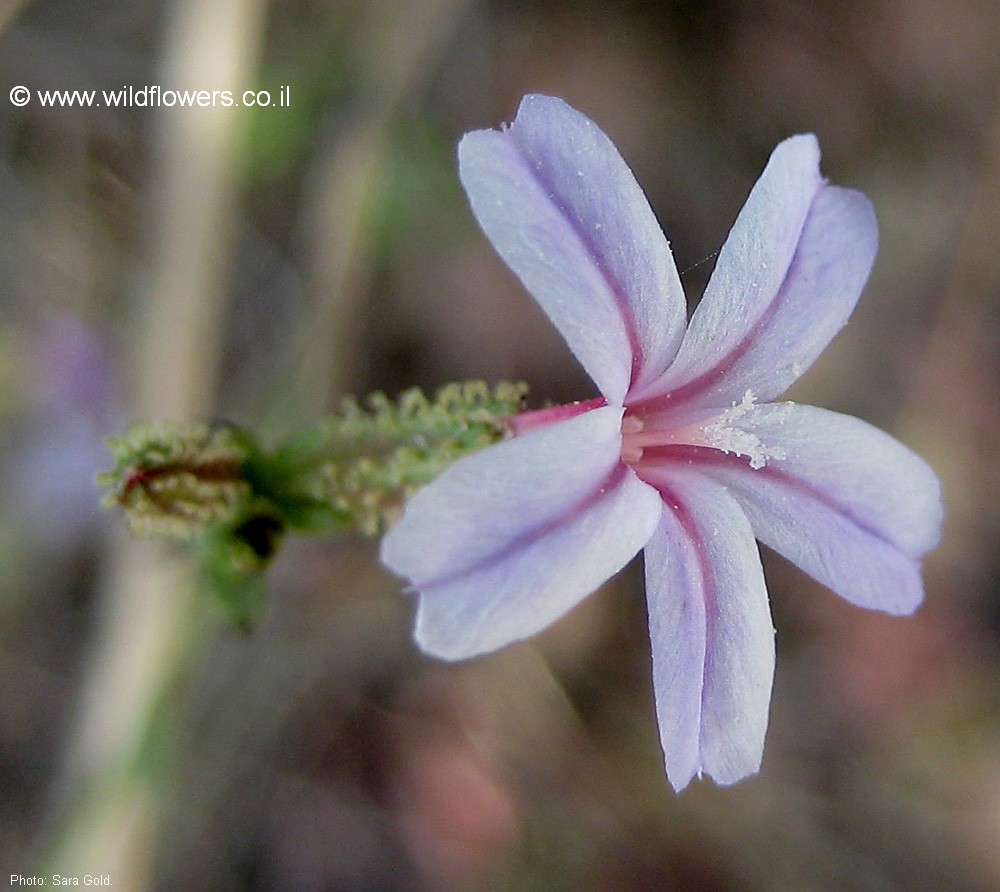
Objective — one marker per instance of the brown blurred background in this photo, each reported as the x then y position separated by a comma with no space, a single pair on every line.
252,264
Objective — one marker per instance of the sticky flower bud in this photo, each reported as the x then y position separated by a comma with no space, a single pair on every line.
177,481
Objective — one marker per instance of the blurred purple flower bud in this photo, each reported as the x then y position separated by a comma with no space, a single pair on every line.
73,407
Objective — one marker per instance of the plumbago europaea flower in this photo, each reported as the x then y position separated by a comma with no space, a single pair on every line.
683,456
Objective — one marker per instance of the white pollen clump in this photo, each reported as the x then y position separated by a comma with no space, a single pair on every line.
725,434
781,411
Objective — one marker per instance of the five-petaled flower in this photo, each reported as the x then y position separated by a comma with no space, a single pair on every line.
683,456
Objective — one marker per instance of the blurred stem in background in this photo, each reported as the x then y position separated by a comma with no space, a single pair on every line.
394,55
146,629
8,10
109,804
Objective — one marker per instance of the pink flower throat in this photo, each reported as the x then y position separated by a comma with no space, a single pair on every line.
728,430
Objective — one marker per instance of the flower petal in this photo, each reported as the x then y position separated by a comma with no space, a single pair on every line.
710,626
507,540
564,211
848,504
788,278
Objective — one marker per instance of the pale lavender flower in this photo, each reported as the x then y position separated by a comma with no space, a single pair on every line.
684,456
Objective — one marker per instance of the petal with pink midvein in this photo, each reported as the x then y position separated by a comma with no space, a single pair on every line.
507,540
788,278
711,632
564,211
847,503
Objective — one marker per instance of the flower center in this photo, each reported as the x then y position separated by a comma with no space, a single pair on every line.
730,431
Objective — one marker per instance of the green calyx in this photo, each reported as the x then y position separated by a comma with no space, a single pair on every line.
355,470
351,472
